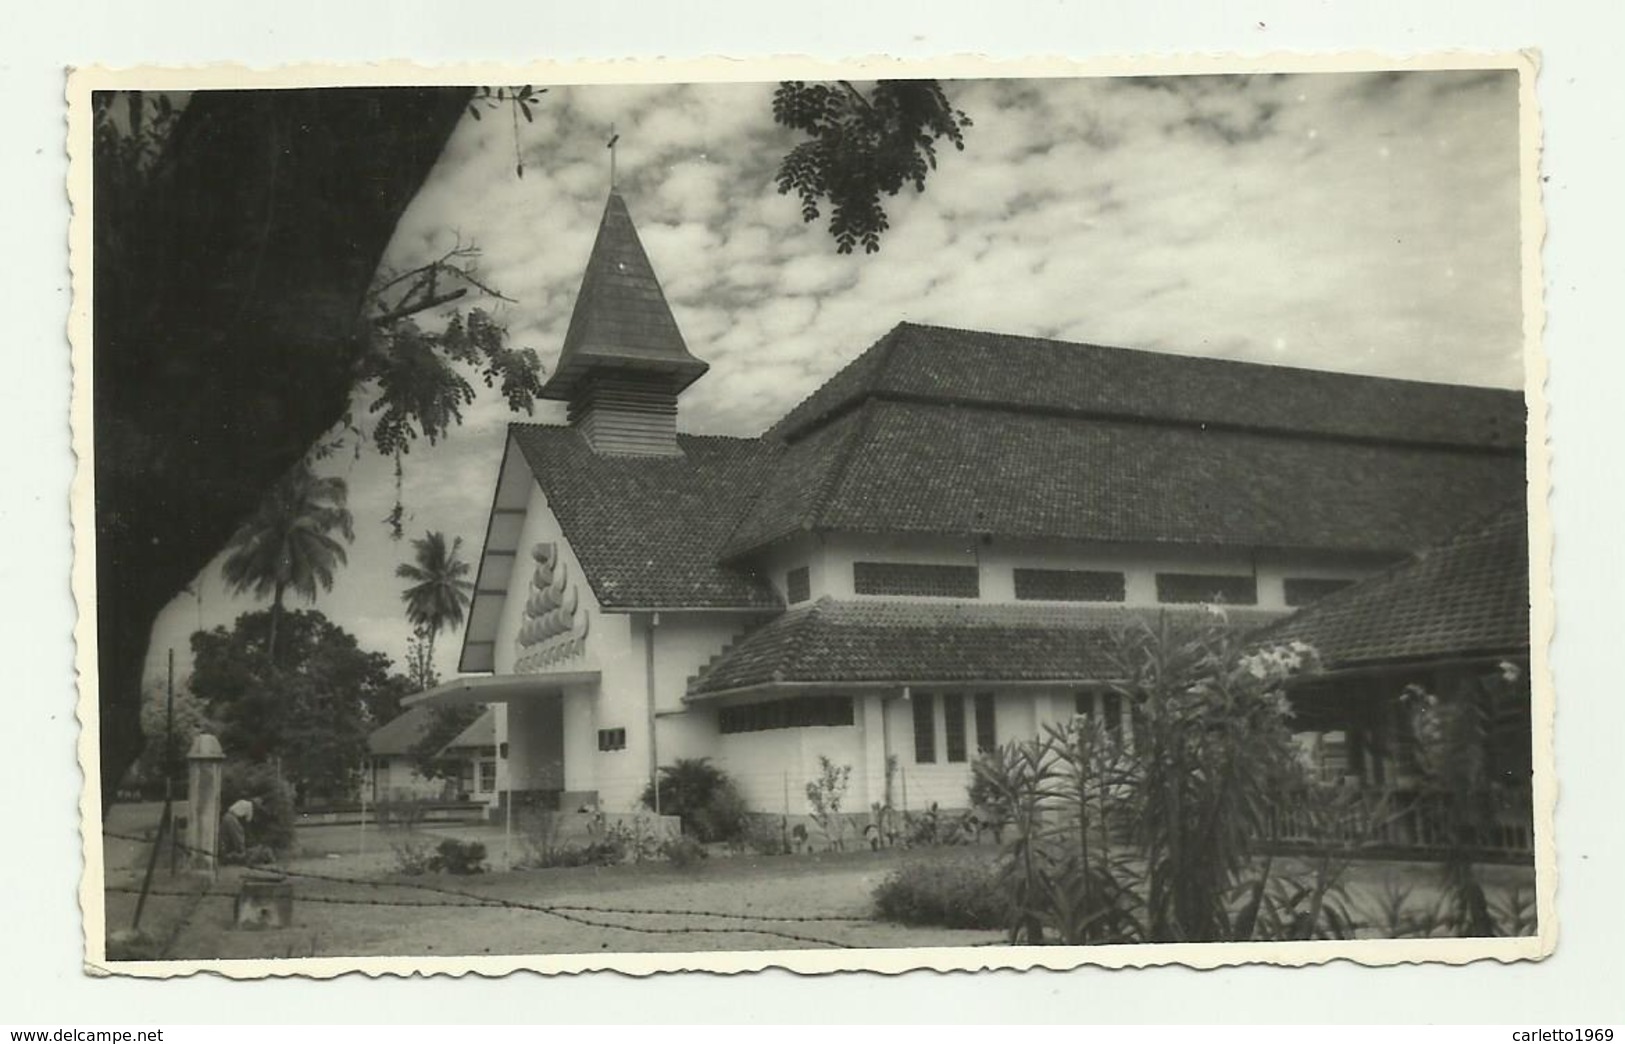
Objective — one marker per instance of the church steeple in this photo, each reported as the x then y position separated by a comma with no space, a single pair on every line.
624,361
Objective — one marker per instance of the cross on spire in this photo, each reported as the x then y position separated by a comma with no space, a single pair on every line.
610,145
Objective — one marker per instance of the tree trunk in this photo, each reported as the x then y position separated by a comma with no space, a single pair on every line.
276,618
228,296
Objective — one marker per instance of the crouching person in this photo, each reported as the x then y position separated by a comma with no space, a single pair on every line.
234,847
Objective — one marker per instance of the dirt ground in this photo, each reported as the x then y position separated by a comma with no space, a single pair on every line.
723,903
350,902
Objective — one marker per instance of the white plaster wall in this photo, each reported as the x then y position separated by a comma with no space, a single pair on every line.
1018,714
618,776
540,525
580,738
536,743
830,560
805,550
581,711
773,767
684,643
397,780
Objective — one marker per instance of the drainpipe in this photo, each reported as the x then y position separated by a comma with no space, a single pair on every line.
653,621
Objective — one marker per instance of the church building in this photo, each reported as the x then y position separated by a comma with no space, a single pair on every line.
923,558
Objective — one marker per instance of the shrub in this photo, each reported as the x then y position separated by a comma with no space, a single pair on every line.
273,823
703,796
414,856
825,794
1154,840
406,813
934,827
960,893
599,853
767,835
683,852
458,857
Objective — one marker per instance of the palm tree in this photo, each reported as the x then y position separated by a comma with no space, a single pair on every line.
289,543
439,591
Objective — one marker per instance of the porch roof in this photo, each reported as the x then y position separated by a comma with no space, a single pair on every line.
859,642
396,736
1468,596
482,732
498,688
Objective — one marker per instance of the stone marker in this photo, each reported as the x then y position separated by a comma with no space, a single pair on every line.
205,766
264,902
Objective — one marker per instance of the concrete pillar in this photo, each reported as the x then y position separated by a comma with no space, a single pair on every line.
205,764
871,711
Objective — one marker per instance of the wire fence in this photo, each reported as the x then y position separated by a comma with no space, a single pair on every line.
446,897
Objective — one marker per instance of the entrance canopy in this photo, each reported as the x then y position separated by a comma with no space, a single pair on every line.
498,688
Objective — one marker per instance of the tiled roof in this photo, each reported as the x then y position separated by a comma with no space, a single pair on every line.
916,467
1466,596
621,319
396,736
649,531
481,732
1035,374
915,642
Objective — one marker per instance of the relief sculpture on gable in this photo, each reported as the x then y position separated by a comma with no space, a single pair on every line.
553,628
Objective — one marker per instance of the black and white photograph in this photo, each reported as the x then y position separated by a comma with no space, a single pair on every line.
878,517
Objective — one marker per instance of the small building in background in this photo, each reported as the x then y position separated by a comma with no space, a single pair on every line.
474,752
392,774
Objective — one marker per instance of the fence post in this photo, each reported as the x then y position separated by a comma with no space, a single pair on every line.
205,764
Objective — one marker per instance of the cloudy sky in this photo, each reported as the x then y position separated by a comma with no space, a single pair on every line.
1361,223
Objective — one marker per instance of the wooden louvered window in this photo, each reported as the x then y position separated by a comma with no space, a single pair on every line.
925,728
1110,706
1190,588
796,713
611,739
986,736
953,720
916,579
797,586
1304,590
1069,585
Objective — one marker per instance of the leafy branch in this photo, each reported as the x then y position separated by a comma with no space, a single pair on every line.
860,145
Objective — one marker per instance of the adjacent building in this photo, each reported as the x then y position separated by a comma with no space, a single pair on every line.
1448,625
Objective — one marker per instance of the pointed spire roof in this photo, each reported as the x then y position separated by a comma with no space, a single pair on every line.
621,320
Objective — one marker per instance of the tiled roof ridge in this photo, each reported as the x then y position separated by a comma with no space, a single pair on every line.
800,627
837,474
1188,424
873,385
884,348
1216,360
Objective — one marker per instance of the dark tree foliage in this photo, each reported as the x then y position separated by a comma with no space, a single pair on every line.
703,796
439,590
860,145
294,541
445,723
311,712
235,245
